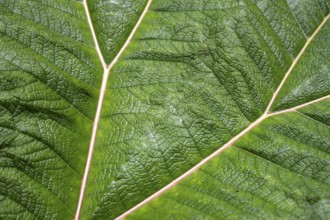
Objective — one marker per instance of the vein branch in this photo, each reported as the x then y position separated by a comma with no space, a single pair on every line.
216,153
295,61
106,73
293,109
230,143
114,61
91,27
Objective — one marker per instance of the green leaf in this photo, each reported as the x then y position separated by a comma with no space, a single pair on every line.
280,170
205,109
113,21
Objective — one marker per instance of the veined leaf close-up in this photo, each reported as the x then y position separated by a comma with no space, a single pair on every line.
164,109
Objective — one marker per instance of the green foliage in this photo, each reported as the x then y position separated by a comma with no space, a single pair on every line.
196,75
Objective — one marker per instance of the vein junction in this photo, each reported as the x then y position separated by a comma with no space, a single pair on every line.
106,73
107,69
230,143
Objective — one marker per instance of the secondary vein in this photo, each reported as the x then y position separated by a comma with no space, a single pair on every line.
91,27
106,73
264,116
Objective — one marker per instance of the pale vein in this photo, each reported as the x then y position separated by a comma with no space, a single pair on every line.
106,73
267,114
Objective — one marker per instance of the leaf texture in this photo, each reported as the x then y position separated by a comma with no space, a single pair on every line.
277,171
49,82
213,110
113,21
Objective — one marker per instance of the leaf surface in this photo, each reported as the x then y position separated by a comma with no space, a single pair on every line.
49,82
211,109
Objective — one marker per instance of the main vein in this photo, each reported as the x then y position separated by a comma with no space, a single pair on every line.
264,116
106,73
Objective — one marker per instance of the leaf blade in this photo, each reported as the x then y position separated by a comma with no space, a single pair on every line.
113,22
178,110
48,95
263,176
194,76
